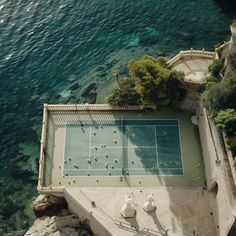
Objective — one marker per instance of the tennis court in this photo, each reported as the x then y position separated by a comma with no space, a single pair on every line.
123,147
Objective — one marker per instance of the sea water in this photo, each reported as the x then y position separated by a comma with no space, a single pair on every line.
50,50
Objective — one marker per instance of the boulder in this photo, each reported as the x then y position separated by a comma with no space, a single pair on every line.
91,97
75,86
101,68
87,89
71,78
42,202
89,93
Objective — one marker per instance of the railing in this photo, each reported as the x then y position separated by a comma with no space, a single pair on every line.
50,190
42,148
93,107
220,49
144,231
191,54
222,46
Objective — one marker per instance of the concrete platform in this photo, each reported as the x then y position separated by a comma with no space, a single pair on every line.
179,211
195,69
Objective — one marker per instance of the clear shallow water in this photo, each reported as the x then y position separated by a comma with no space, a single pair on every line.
46,46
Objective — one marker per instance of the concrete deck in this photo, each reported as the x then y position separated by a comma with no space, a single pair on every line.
195,69
180,211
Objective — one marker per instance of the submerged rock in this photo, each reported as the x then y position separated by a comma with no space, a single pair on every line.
89,93
90,97
102,74
75,86
86,90
111,63
71,78
101,68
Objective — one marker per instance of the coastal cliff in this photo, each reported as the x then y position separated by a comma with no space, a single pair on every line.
54,219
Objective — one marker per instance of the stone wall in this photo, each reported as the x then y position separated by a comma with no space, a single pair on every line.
218,178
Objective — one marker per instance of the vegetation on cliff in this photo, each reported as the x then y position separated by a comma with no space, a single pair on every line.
150,82
219,99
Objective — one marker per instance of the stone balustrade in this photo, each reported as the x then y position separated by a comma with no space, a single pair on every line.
191,54
92,107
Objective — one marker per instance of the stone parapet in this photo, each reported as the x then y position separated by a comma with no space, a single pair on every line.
218,175
191,54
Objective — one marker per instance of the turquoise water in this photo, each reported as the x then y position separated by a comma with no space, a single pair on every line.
50,50
119,148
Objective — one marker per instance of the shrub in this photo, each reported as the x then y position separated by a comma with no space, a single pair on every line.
231,141
124,94
225,120
221,95
216,67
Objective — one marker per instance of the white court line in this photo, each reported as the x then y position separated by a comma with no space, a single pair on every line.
125,147
148,125
115,147
63,161
130,176
155,134
128,169
151,119
180,143
89,147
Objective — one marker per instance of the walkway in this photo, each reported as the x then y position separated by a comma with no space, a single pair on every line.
180,211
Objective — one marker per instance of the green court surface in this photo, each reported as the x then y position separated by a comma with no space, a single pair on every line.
123,147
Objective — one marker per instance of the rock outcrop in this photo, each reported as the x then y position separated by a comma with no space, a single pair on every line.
48,205
42,202
61,224
56,226
230,61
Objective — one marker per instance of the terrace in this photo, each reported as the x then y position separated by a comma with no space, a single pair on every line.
95,155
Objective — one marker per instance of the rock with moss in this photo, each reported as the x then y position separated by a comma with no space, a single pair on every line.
48,205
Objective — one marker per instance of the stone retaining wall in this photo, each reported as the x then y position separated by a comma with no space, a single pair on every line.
218,178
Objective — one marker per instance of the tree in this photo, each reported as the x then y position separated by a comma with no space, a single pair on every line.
154,82
116,74
124,94
150,82
221,95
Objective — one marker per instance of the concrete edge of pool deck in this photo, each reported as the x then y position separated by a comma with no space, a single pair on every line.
192,157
